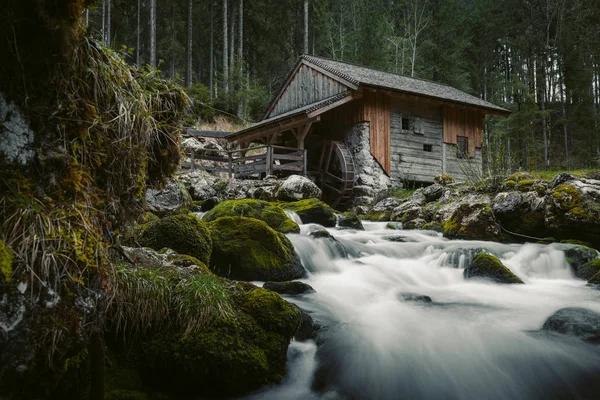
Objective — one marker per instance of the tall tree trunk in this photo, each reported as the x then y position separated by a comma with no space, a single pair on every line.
564,114
232,48
104,21
188,55
305,51
108,8
138,33
225,51
153,34
173,38
212,53
240,110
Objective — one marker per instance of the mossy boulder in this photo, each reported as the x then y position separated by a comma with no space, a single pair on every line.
6,261
292,288
589,270
313,211
575,321
522,213
486,266
578,256
184,233
248,249
573,211
274,216
595,280
349,221
230,357
473,221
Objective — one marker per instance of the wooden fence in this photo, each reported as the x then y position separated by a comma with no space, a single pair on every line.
239,165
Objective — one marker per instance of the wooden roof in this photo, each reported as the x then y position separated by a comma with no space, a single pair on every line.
360,75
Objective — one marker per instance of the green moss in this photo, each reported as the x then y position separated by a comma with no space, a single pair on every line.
184,233
589,270
393,225
489,267
576,242
567,196
274,216
6,261
595,279
312,211
248,249
461,224
525,185
509,184
444,179
376,216
520,176
271,311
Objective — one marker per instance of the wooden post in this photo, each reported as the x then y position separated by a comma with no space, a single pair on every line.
269,162
230,154
305,163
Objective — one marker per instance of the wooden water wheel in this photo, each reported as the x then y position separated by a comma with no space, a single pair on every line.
335,173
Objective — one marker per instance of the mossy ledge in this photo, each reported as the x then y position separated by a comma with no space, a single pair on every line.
312,211
270,213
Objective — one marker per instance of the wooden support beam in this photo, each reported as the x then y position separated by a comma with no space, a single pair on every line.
331,106
302,134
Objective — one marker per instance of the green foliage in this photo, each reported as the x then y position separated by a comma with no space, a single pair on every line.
274,216
146,299
184,233
444,179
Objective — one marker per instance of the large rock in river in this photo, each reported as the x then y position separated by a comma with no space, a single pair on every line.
575,321
184,233
272,215
313,211
248,249
296,188
473,221
487,266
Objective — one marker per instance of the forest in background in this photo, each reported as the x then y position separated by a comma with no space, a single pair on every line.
538,58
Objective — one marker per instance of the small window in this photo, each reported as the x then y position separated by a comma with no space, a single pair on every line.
428,147
406,124
462,146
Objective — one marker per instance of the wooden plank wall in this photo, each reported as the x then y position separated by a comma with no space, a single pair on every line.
307,86
409,160
376,110
460,121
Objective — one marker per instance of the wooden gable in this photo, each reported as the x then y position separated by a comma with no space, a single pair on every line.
308,84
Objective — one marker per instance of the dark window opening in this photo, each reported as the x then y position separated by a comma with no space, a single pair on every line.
405,124
428,147
462,146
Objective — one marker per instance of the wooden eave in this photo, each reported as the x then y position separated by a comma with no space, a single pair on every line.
292,119
435,100
351,85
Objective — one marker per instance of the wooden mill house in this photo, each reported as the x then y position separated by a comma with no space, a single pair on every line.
349,126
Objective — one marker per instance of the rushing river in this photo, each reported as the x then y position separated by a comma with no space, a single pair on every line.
475,340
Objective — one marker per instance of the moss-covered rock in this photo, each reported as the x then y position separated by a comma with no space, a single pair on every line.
248,249
487,266
274,216
184,233
472,221
522,213
589,270
349,221
595,280
444,179
6,261
230,357
573,211
292,288
578,256
313,211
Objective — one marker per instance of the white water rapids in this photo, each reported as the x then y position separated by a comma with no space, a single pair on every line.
475,340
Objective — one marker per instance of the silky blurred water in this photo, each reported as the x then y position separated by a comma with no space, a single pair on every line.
475,340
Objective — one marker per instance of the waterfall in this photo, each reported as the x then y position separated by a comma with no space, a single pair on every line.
473,340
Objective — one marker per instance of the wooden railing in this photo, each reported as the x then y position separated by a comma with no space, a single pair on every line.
239,165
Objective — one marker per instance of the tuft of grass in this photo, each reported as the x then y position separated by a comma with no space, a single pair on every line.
147,299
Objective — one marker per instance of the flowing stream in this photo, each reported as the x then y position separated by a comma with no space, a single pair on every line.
474,340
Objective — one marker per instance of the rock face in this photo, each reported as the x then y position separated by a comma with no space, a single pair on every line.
274,216
16,138
172,197
523,213
296,188
472,221
184,233
489,267
369,173
433,192
292,288
248,249
313,211
582,260
574,321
